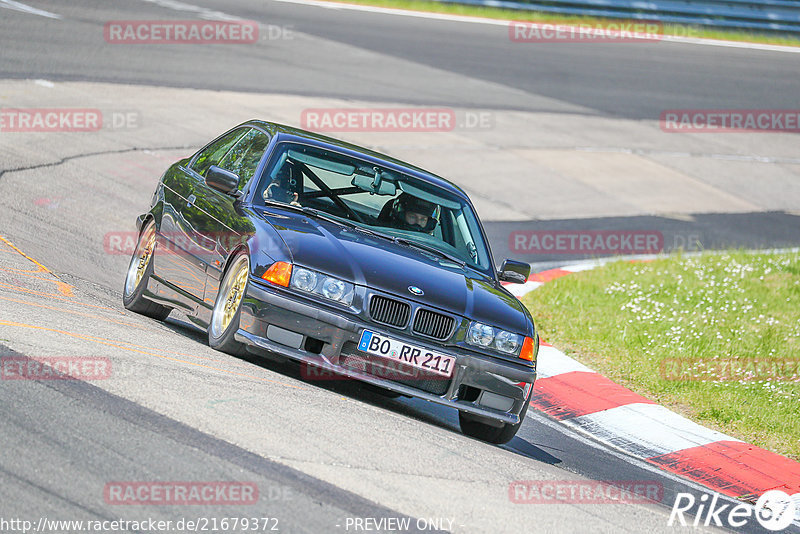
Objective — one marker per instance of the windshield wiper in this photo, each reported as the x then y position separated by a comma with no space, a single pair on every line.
279,204
344,223
313,212
413,244
309,211
375,233
428,248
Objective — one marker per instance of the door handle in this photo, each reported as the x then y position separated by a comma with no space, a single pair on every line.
190,201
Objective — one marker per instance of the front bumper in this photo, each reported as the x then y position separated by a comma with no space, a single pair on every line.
326,340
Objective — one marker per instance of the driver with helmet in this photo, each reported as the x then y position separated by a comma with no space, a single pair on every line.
408,212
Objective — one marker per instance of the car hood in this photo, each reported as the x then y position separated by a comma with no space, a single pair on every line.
392,268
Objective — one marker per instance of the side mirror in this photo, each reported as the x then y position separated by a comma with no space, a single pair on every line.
224,181
516,272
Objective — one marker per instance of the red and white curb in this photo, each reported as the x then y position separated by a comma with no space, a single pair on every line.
591,404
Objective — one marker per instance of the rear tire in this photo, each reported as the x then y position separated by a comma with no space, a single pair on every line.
228,307
491,434
139,271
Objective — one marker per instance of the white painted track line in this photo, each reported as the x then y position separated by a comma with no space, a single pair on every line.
19,6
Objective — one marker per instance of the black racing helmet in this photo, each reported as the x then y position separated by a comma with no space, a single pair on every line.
409,203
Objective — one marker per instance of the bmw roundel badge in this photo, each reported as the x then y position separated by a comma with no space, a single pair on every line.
416,291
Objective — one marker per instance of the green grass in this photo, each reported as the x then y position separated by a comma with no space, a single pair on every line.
638,322
533,16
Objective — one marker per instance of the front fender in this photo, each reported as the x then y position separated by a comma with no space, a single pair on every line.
156,209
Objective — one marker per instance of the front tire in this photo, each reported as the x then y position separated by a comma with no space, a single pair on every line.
491,434
228,307
139,271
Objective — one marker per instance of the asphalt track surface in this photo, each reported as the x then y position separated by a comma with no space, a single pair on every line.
634,82
174,409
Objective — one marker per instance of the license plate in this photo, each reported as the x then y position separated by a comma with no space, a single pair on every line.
417,357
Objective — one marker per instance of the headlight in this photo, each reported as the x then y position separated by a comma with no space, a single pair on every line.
304,279
480,334
333,288
483,335
507,342
320,284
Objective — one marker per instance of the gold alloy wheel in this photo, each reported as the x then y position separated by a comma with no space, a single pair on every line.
230,297
140,260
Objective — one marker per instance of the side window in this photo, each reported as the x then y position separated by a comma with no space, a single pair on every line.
244,157
213,153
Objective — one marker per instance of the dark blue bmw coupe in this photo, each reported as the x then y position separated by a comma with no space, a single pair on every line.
281,241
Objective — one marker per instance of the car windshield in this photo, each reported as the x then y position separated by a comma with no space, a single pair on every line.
375,198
